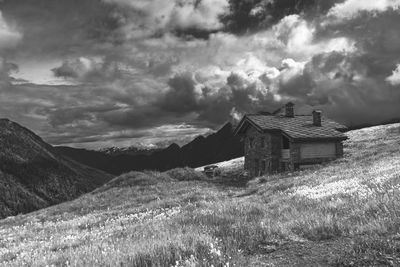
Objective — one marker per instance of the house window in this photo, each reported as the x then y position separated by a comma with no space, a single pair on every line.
251,142
262,141
285,142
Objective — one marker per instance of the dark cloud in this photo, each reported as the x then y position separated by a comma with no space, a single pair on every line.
61,27
141,117
155,18
90,69
254,15
211,107
375,34
181,97
66,71
194,33
119,70
345,86
6,68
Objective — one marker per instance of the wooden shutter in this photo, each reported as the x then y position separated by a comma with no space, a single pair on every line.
318,150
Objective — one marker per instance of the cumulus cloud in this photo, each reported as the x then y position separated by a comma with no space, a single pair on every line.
84,68
351,8
198,14
394,79
343,85
151,17
74,69
247,87
6,68
134,66
108,71
340,83
228,75
298,35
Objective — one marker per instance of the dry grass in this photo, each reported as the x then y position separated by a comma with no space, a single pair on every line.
181,218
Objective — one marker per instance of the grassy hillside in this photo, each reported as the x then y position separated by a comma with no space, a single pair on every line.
346,213
34,176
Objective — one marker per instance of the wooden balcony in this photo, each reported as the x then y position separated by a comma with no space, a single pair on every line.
285,154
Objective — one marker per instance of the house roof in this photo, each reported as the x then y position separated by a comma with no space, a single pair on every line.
298,128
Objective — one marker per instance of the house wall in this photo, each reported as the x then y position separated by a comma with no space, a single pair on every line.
270,153
276,146
296,159
339,149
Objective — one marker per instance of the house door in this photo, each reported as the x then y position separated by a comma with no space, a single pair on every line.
256,167
268,166
265,166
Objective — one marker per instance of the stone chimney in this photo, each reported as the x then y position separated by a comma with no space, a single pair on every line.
317,114
289,110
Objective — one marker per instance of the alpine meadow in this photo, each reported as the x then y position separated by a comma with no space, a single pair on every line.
345,213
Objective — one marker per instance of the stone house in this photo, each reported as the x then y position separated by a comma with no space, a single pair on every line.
285,142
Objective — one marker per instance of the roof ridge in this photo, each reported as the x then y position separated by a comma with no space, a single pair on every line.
278,115
298,127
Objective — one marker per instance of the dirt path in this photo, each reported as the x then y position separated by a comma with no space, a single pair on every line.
307,253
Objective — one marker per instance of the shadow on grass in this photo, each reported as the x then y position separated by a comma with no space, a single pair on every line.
372,251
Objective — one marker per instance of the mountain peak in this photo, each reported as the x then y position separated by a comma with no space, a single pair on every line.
227,125
173,146
225,130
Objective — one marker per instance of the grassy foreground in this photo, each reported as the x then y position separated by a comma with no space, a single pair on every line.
346,213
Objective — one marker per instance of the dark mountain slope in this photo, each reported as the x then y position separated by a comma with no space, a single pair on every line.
216,147
33,175
91,158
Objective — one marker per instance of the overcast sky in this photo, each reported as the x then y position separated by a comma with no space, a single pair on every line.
96,73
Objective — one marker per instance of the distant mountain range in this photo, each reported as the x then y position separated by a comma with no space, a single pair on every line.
34,175
131,150
219,146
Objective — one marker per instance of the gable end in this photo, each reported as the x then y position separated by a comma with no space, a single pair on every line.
244,124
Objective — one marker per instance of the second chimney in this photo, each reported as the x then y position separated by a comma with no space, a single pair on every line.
317,114
289,110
